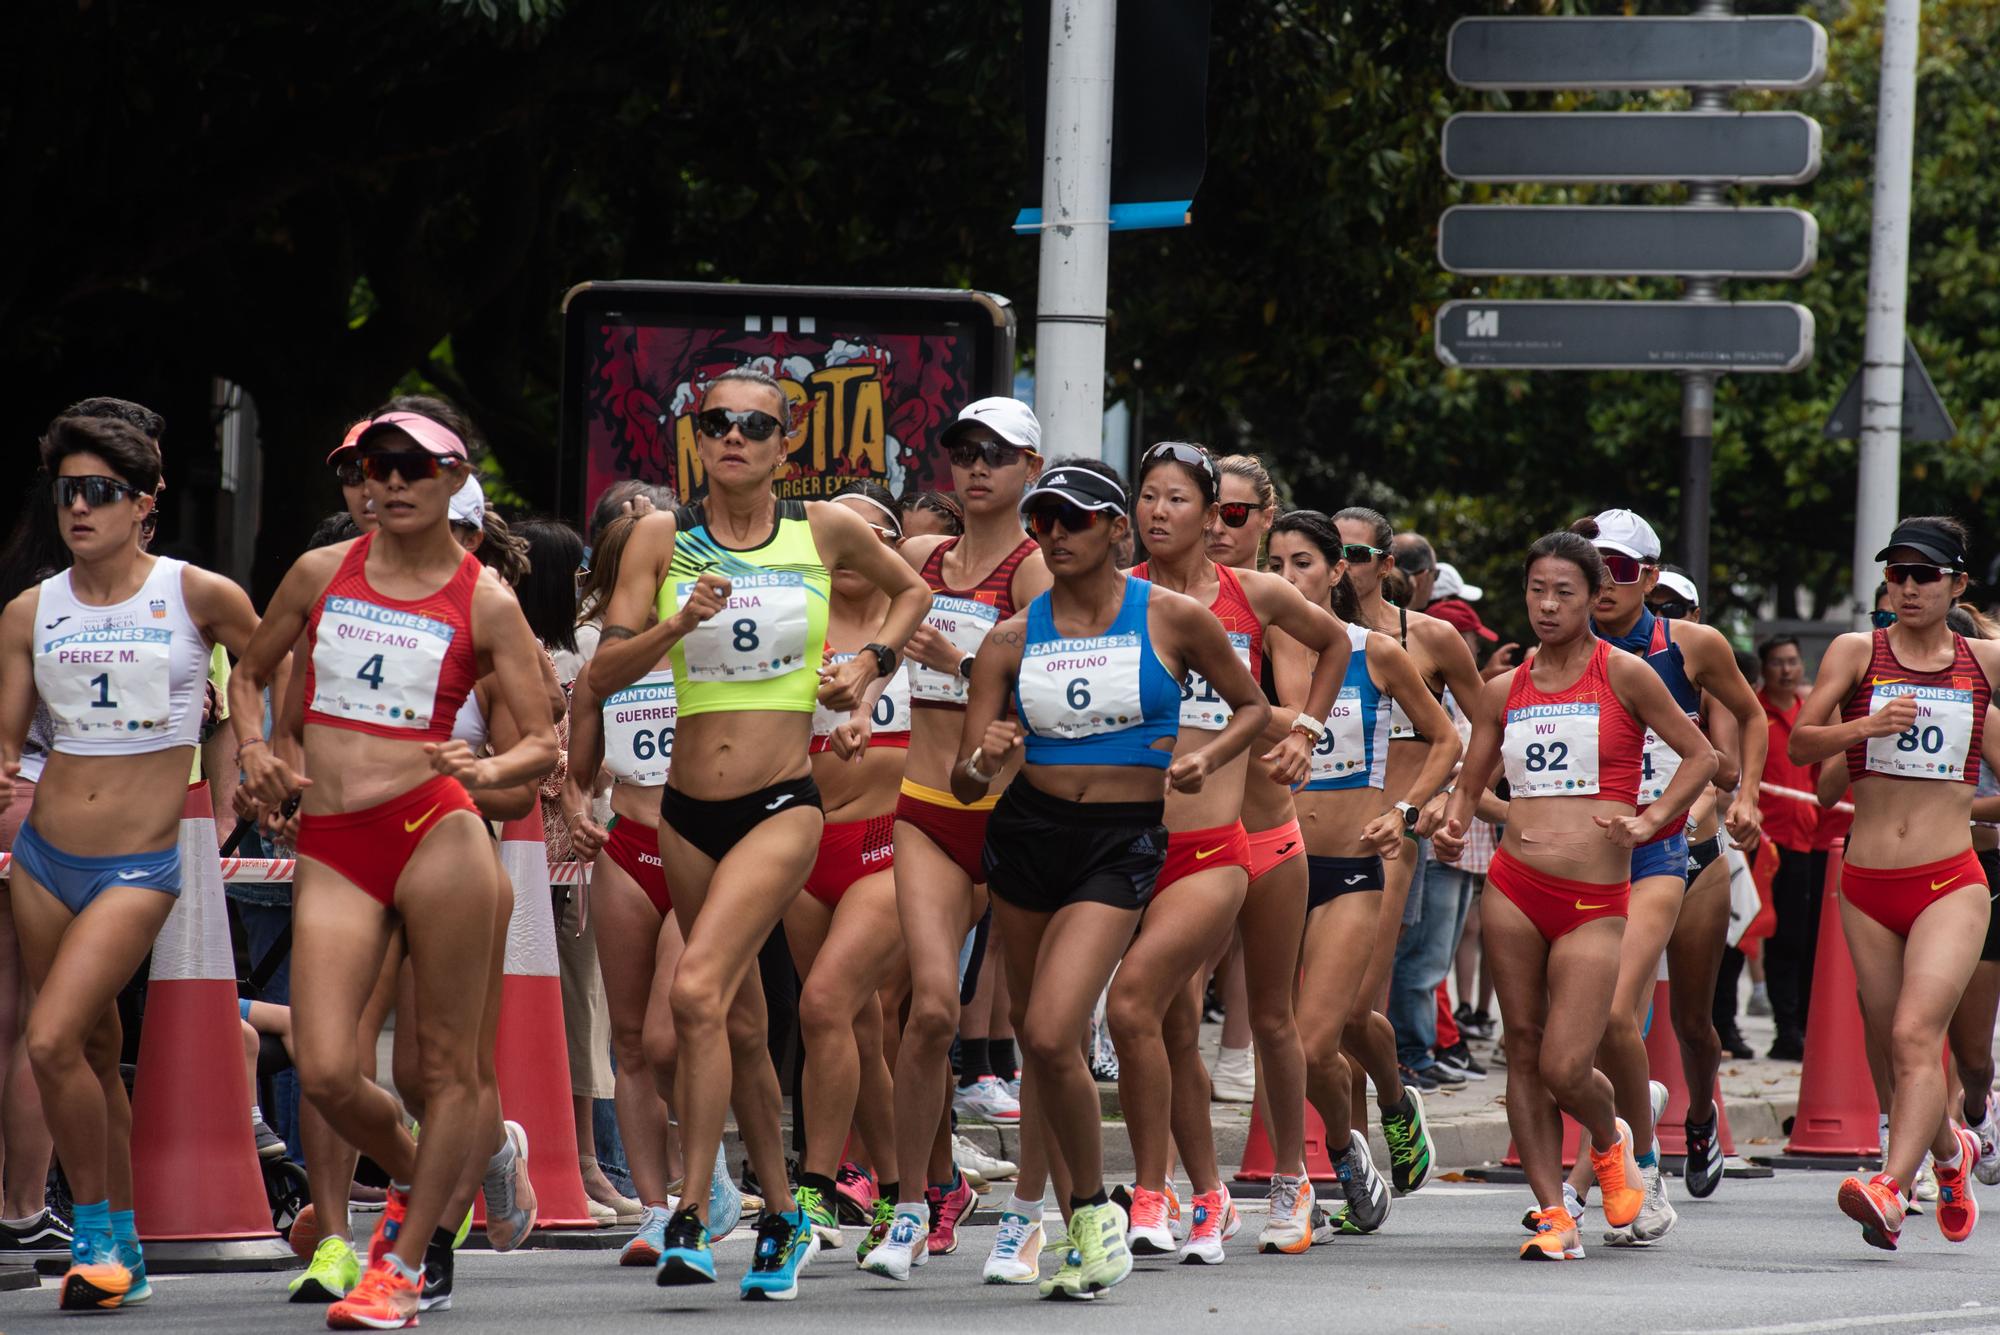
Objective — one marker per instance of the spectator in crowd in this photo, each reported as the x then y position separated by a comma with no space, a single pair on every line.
1791,823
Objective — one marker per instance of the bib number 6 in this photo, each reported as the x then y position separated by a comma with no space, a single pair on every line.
1077,694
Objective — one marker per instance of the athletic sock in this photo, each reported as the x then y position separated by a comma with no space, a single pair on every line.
1957,1157
1650,1159
1400,1108
823,1185
974,1061
1001,1057
256,1112
1026,1209
414,1274
917,1210
889,1191
951,1186
443,1238
1082,1202
125,1229
92,1221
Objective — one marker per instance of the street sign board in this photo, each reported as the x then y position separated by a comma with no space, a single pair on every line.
1924,415
1625,335
1618,240
1633,147
1618,52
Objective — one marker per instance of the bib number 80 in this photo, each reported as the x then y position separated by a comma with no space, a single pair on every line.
1929,740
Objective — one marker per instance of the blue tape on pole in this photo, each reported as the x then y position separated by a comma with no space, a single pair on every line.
1124,217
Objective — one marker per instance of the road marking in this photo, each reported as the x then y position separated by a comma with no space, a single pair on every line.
1970,1310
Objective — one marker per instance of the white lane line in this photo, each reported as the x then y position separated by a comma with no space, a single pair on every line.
1971,1311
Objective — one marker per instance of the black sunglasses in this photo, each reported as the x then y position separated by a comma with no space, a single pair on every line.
715,423
1918,571
1043,516
1360,553
349,472
1673,609
413,465
1236,514
96,491
996,453
1881,620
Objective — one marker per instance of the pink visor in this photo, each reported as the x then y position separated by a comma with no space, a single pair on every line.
435,437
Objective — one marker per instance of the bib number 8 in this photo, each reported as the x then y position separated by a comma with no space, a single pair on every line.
1929,740
1553,756
745,635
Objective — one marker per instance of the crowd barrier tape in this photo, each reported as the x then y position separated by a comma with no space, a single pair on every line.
1778,790
281,870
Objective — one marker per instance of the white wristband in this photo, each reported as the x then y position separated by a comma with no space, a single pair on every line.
972,766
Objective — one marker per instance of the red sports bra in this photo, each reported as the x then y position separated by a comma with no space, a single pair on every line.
1951,716
387,666
1578,742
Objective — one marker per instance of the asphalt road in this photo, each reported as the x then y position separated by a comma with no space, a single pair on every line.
1772,1256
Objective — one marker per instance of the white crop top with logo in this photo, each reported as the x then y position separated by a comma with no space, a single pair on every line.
639,722
121,680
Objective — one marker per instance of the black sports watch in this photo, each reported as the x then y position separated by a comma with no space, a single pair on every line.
885,658
965,667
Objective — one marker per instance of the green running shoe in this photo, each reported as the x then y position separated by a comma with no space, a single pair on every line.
825,1223
1067,1282
464,1231
878,1228
1410,1150
334,1271
1098,1234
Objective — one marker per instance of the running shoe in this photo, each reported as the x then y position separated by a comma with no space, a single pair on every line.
1149,1234
436,1293
1429,1080
96,1279
1458,1057
1619,1185
135,1264
879,1223
825,1224
1016,1257
784,1245
1234,1076
854,1191
1760,1001
383,1300
650,1241
685,1256
1555,1237
1702,1170
1290,1227
304,1234
395,1208
1215,1220
1411,1153
1877,1206
1926,1186
1958,1208
1067,1282
986,1100
1987,1169
1476,1023
1098,1234
948,1208
43,1231
726,1203
270,1145
977,1163
1367,1194
1656,1216
901,1250
334,1272
510,1196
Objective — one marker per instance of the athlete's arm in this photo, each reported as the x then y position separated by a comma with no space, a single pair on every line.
17,683
1724,735
1454,663
1986,810
586,759
1831,785
1645,696
1818,735
513,659
515,800
846,541
1279,605
1402,682
632,642
1482,761
987,740
221,611
270,777
1031,579
1712,665
1205,647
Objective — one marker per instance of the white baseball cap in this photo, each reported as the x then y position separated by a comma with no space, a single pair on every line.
1450,584
468,504
1623,531
1010,419
1681,584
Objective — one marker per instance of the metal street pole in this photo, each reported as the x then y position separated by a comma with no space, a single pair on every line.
1698,387
1076,228
1876,497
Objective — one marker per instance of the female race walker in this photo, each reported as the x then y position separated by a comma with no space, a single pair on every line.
401,624
117,646
739,586
1912,703
1155,1003
1076,844
1351,831
1570,726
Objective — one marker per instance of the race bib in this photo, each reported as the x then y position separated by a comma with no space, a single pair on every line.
964,622
639,730
1081,688
760,634
1344,749
1400,727
98,683
1458,719
891,712
377,665
1936,746
1658,763
1551,750
1201,707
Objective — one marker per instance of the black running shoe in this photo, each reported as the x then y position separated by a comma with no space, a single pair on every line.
1459,1057
1735,1044
1703,1168
436,1296
43,1232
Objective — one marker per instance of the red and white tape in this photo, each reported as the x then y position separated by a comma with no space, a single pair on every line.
266,870
1797,795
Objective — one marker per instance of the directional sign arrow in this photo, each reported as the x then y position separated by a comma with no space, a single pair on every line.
1619,240
1625,335
1779,52
1924,415
1636,147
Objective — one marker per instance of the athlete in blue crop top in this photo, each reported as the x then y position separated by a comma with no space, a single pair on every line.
1076,842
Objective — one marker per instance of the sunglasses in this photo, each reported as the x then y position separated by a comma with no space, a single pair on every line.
715,423
349,472
1360,553
1192,455
997,454
1881,620
97,492
888,536
1235,514
1673,609
1623,569
1917,571
1043,517
414,465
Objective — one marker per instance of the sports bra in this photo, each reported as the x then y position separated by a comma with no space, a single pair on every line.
963,616
1578,742
1400,727
763,650
639,730
1652,639
1951,716
1201,707
1355,751
1098,699
890,721
470,724
122,680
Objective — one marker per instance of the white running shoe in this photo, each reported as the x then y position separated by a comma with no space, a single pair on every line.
1016,1257
1234,1076
1656,1216
1987,1133
986,1100
975,1162
1290,1227
904,1248
1927,1183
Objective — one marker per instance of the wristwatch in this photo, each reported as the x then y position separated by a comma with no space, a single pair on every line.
1310,726
965,667
885,658
1409,815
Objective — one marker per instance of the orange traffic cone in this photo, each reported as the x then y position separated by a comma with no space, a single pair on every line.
1259,1162
1663,1055
1837,1105
531,1054
196,1184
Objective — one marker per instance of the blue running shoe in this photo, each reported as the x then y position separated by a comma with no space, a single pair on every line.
135,1261
650,1242
725,1202
685,1257
784,1245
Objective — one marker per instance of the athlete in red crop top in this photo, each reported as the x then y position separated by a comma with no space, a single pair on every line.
1570,727
402,623
1912,704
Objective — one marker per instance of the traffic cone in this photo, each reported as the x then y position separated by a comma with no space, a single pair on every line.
531,1054
196,1183
1663,1056
1838,1110
1259,1162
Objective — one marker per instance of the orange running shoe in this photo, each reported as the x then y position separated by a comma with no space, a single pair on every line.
1958,1208
1150,1233
94,1281
1877,1206
1618,1181
383,1300
395,1208
1555,1237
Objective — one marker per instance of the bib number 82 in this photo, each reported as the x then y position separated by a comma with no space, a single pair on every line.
1553,756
